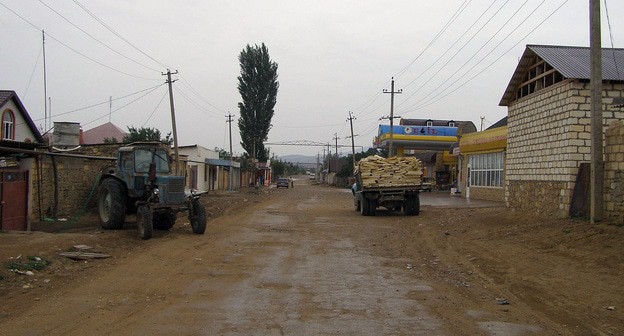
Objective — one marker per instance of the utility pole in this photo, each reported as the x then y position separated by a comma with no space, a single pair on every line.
110,107
173,122
229,121
336,138
351,117
392,93
45,88
597,164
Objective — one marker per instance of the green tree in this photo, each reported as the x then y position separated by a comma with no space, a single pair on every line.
146,134
258,86
111,140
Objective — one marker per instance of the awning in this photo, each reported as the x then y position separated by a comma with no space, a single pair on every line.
485,141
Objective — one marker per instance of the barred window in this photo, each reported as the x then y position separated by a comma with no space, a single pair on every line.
487,170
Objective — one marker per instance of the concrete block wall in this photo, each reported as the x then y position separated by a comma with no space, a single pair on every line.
548,138
76,178
614,172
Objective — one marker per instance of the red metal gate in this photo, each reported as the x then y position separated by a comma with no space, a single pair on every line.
13,200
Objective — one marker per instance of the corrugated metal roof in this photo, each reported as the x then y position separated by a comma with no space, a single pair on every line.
571,62
575,62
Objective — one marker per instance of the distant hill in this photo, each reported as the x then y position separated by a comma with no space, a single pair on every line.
301,159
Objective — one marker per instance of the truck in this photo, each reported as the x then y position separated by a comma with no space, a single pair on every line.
393,183
141,182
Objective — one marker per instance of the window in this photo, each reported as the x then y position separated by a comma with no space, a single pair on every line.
487,170
451,123
429,123
8,125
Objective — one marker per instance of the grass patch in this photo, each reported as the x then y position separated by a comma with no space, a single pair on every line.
31,263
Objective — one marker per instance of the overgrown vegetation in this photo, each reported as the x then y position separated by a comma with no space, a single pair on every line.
31,263
146,134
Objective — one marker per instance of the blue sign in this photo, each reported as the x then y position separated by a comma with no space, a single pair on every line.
419,130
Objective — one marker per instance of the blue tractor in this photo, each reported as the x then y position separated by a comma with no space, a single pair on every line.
141,182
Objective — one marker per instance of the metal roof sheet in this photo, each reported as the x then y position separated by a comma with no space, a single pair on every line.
571,62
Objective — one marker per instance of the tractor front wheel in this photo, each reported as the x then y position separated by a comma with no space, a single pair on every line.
144,222
197,217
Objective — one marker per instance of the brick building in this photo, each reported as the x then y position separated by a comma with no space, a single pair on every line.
548,102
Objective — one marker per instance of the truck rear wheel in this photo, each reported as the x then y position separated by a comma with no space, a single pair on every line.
144,222
197,217
372,207
412,205
364,207
112,204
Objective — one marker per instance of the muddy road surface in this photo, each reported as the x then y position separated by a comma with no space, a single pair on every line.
301,261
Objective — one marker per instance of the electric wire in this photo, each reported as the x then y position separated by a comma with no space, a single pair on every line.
99,104
156,108
617,70
474,35
95,39
493,62
74,50
457,13
438,59
201,108
428,97
109,28
186,83
32,74
122,107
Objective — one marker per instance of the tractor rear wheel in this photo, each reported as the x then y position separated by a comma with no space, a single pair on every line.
197,217
144,222
112,204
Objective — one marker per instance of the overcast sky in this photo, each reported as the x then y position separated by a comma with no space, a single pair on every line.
452,58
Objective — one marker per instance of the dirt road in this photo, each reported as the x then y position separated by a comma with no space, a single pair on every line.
302,262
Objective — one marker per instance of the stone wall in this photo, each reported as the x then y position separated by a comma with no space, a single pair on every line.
548,138
614,172
487,193
76,180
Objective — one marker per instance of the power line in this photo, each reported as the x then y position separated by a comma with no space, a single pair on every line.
95,39
617,70
202,109
123,106
156,108
187,84
458,12
476,52
74,50
465,44
492,63
109,28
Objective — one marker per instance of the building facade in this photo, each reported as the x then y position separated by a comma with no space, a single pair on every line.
548,102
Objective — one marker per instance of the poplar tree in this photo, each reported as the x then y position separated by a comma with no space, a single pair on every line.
258,86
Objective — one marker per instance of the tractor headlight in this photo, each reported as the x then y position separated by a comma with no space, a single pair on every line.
156,191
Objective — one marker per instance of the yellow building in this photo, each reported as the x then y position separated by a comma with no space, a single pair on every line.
482,162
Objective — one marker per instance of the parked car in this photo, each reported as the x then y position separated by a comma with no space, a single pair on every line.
283,182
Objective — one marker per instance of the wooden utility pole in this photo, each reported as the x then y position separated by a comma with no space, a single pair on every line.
336,139
392,93
173,122
229,121
351,117
597,164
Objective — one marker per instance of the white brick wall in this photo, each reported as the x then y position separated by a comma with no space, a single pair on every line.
548,139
